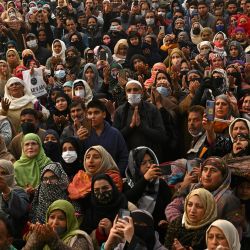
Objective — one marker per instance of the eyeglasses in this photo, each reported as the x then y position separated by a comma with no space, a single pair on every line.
50,179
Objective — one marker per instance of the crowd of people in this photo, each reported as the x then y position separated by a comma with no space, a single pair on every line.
125,124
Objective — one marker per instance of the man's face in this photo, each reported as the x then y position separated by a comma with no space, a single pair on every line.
138,64
5,239
194,123
77,113
70,26
202,9
28,118
232,9
248,9
96,116
133,88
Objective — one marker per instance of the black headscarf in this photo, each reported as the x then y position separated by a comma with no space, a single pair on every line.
98,211
63,112
72,168
52,149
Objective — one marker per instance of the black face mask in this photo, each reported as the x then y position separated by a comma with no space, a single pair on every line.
147,234
196,31
28,127
217,82
52,150
92,27
183,72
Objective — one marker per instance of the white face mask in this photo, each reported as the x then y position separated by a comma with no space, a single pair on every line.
69,156
32,44
150,21
80,93
134,99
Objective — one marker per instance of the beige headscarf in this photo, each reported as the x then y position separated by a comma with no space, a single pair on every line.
8,167
209,205
107,162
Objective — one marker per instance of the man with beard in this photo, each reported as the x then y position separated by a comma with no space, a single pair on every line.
195,128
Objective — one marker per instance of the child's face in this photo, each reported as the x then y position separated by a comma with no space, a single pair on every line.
239,144
134,41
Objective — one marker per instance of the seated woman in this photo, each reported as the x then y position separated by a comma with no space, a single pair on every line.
31,162
134,232
189,230
61,230
17,97
145,188
222,233
105,202
215,176
14,201
71,157
96,160
58,118
53,186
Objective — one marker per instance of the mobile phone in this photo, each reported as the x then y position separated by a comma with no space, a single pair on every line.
162,29
86,124
165,169
210,110
193,163
102,55
123,213
247,58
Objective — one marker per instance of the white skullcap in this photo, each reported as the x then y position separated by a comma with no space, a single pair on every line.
134,81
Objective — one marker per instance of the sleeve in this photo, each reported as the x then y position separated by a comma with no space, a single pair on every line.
175,209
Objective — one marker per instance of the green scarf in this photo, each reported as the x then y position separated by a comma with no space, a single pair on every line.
72,223
27,170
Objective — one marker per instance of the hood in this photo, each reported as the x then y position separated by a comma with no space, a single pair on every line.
234,121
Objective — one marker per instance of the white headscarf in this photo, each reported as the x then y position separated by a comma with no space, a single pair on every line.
203,43
17,103
88,92
229,231
62,53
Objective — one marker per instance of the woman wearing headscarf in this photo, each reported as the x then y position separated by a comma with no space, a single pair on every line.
13,59
144,188
4,153
32,161
59,117
61,230
195,33
82,90
53,186
120,51
17,97
222,233
216,178
202,58
96,160
4,75
71,156
189,230
51,145
58,51
235,52
11,14
219,42
14,201
105,203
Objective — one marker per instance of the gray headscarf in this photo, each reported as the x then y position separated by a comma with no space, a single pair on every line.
8,167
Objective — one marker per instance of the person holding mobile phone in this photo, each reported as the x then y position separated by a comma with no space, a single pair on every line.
145,188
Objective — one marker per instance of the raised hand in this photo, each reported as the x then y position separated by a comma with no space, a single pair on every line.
5,104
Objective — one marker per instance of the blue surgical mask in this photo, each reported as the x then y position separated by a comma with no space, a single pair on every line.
164,91
60,73
219,27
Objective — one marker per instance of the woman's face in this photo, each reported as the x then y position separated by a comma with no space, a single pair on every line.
42,36
31,148
217,62
215,238
122,50
219,38
176,59
57,47
239,144
61,104
3,68
234,51
16,90
211,177
11,57
106,39
57,219
68,91
206,36
246,104
89,74
91,21
134,41
50,137
239,127
60,3
195,209
101,186
93,161
49,177
146,163
74,38
221,108
67,146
